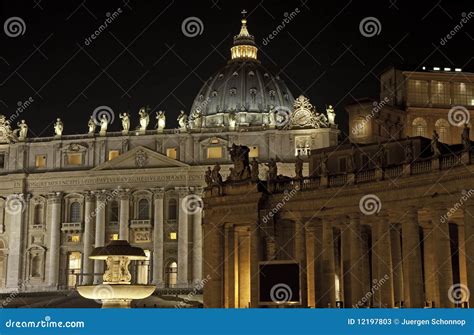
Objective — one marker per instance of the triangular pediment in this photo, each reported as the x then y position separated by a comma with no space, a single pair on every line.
140,158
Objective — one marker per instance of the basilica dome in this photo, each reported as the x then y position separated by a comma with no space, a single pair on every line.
243,92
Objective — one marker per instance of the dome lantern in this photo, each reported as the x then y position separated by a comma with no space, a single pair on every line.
244,44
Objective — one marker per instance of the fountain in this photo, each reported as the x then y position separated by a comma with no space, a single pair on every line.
117,291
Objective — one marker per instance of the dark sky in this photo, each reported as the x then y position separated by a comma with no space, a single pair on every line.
143,57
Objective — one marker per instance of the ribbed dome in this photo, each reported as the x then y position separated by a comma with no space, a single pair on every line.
243,88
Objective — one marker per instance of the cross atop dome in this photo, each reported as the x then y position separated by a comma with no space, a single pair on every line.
244,44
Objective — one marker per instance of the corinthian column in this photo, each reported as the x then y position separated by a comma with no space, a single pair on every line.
158,210
300,255
183,236
124,214
328,298
197,238
469,248
88,238
101,201
15,206
54,215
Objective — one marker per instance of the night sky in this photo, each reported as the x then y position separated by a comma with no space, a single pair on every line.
143,57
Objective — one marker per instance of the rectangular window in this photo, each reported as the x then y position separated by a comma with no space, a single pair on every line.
214,152
2,160
113,154
173,235
40,161
440,94
74,159
418,92
113,237
172,153
253,152
463,93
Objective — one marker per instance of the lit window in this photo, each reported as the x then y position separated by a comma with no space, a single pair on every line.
114,237
253,152
442,127
75,212
40,161
74,159
171,153
419,127
215,141
360,128
214,152
173,235
74,238
113,154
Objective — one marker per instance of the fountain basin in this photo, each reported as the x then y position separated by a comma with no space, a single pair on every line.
116,296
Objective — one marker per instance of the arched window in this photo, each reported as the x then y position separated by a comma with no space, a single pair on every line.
171,274
143,209
35,265
419,127
172,209
442,128
38,214
75,212
360,128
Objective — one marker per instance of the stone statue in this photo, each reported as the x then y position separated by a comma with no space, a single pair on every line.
144,119
272,118
240,157
465,138
125,117
272,169
254,172
23,131
215,174
182,120
435,144
324,165
104,124
91,124
58,127
6,133
232,120
161,121
299,167
331,115
208,176
409,152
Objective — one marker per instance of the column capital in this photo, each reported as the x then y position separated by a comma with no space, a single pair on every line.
158,192
89,196
54,197
182,191
101,195
124,193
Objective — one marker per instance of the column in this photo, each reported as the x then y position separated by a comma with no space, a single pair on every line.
442,255
412,275
213,266
229,267
197,239
382,257
300,256
469,248
397,268
355,269
328,290
101,202
310,262
256,252
54,215
183,213
124,214
158,233
88,238
15,206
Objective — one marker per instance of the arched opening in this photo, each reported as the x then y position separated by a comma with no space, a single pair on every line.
143,209
74,268
419,127
172,274
442,128
38,214
75,212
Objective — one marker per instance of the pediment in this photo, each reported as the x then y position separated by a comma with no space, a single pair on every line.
140,158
